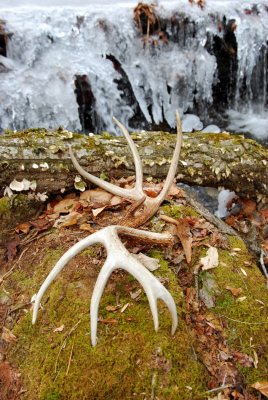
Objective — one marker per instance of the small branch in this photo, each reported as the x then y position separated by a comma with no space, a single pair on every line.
263,267
64,344
243,322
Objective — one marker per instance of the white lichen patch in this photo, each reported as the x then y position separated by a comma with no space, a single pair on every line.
44,166
120,161
79,184
66,134
24,185
41,196
162,161
109,153
149,162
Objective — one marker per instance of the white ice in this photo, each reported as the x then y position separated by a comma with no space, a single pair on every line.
55,40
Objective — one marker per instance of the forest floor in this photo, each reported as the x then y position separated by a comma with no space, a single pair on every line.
220,349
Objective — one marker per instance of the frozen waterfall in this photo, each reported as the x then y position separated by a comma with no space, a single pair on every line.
77,66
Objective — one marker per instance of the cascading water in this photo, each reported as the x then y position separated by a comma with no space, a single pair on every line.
77,66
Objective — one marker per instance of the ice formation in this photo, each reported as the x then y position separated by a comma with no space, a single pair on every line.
225,198
53,43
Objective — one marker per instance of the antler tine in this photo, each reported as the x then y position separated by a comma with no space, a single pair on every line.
135,193
136,156
117,257
72,252
109,187
174,163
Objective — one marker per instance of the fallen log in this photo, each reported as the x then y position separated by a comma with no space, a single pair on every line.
224,160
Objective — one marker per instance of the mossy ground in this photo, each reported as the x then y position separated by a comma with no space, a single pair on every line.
130,360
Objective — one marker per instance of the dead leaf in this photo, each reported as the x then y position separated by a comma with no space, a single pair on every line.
235,291
175,191
67,220
65,206
8,336
86,227
97,211
42,224
24,228
211,260
96,196
60,328
243,359
248,206
152,264
108,321
184,233
12,249
261,387
112,308
116,200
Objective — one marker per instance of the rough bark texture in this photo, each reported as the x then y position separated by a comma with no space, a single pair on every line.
206,159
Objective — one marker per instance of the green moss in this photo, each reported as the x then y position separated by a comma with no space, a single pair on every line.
178,211
246,319
130,360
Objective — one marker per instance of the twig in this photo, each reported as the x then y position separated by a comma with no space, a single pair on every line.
70,359
64,343
243,322
263,267
8,273
219,389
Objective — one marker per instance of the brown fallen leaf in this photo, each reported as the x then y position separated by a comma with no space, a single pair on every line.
96,196
67,220
235,291
112,308
42,224
184,234
23,228
108,321
116,200
248,206
8,336
243,359
97,211
261,387
65,206
86,227
59,329
12,249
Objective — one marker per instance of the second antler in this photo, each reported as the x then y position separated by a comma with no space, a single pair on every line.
150,205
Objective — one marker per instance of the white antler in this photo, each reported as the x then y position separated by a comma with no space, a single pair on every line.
117,257
137,194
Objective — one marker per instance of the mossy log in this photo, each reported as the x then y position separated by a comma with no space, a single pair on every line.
206,159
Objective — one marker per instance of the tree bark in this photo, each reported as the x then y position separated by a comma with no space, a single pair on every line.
225,160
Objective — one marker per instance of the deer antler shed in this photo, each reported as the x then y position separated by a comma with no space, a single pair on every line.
117,255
